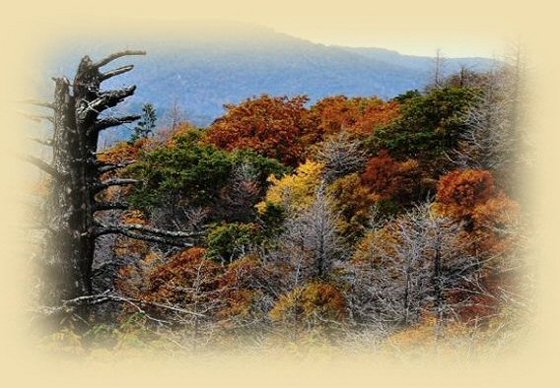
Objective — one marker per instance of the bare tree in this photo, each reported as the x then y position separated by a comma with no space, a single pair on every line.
78,116
175,115
341,155
490,139
438,71
412,272
311,242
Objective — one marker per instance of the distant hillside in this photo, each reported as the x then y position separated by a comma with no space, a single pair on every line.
421,64
204,70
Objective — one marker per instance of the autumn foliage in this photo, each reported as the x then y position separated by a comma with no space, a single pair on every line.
359,116
276,127
316,302
391,179
345,214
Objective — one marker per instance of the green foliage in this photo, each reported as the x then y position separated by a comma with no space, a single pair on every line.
403,97
229,242
190,170
146,125
430,125
272,218
263,166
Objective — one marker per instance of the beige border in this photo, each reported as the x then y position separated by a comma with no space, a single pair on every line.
27,32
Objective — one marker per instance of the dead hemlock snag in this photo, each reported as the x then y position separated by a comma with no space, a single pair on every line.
71,225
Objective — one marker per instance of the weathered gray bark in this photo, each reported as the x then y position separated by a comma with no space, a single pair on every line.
70,212
76,172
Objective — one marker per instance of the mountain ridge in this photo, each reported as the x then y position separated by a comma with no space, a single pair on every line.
201,71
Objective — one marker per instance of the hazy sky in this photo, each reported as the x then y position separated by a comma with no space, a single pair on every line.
451,44
416,27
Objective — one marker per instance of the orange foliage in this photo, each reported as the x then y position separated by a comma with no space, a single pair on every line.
490,220
125,151
239,286
359,115
186,273
460,191
495,221
127,246
391,179
472,196
275,127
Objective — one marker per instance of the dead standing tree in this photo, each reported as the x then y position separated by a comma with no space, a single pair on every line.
71,222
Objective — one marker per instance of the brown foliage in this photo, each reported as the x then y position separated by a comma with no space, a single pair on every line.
391,179
276,127
354,202
241,285
460,191
359,116
187,274
316,302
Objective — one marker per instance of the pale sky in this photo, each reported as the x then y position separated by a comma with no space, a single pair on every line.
425,43
479,28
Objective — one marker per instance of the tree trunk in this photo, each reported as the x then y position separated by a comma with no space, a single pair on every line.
76,180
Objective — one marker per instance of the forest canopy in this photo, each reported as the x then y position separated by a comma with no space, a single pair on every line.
351,215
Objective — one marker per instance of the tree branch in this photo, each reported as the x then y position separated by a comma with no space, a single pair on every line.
47,142
115,182
159,232
70,304
44,104
117,55
117,71
37,118
118,229
115,121
103,168
100,206
42,165
146,233
108,100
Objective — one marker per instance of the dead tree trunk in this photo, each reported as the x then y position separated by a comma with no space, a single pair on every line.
72,227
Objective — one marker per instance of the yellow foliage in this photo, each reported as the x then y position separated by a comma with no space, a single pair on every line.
375,246
65,341
295,192
354,202
316,302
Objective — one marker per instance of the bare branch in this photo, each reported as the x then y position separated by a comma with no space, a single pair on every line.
161,232
108,100
115,182
154,231
42,165
123,230
37,118
115,72
47,142
115,121
117,55
111,167
44,104
100,206
70,304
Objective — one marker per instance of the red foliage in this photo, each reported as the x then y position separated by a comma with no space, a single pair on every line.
460,191
391,179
